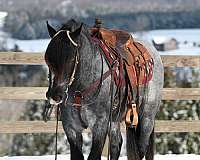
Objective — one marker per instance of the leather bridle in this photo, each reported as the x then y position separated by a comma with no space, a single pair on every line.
67,84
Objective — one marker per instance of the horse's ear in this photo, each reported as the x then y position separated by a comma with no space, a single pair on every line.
51,30
77,31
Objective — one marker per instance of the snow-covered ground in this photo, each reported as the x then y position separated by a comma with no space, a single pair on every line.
39,45
67,157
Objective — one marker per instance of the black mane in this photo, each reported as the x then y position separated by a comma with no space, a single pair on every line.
72,25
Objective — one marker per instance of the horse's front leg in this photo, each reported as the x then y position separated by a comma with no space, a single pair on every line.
99,132
116,141
75,140
73,130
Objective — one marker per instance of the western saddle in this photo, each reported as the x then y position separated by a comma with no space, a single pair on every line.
137,64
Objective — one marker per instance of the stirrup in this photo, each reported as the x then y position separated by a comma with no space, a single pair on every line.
132,111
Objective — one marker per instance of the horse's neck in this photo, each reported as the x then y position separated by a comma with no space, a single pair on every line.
90,63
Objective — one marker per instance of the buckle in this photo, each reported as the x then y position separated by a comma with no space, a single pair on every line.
77,99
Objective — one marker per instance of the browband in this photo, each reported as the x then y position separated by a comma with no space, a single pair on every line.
68,35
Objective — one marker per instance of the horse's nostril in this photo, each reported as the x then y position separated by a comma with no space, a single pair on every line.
57,98
60,97
57,94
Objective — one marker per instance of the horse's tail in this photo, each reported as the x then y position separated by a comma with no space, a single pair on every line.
131,144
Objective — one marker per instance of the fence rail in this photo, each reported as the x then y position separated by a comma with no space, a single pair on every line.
38,93
32,58
161,126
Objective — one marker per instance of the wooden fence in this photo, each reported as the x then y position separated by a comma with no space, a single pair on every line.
38,93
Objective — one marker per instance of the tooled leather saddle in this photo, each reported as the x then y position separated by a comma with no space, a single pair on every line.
134,60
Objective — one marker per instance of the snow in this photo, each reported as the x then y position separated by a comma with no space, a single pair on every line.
181,35
188,40
38,45
2,18
192,51
67,157
160,39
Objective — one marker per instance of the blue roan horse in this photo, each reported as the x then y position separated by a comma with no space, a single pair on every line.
75,62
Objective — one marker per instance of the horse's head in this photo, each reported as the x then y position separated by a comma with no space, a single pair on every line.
62,57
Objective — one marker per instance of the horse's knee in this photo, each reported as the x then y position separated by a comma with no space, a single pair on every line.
147,125
116,140
99,132
71,134
75,140
115,134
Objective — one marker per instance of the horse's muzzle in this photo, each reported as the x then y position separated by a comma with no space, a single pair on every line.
53,102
